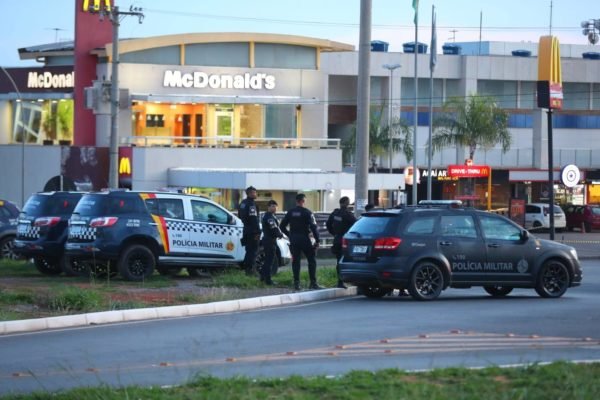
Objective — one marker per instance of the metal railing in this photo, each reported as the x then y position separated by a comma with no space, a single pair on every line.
228,142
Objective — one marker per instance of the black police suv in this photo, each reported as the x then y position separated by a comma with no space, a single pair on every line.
9,213
42,229
439,244
138,232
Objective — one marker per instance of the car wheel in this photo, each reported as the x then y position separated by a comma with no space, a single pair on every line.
136,263
75,267
588,227
7,247
553,279
426,281
47,266
373,292
498,291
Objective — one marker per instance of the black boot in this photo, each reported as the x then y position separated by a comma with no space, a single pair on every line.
341,285
314,286
297,286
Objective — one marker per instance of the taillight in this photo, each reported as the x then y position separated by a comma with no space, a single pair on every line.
344,243
387,243
103,222
46,221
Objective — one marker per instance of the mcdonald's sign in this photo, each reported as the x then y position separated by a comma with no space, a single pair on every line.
96,5
550,92
125,166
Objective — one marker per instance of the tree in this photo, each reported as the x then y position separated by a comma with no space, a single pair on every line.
473,122
379,137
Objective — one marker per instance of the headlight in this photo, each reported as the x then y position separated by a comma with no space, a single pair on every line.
574,253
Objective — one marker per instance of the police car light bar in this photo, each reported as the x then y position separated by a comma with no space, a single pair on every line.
440,203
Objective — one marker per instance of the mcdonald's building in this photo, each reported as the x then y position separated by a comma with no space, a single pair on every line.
212,113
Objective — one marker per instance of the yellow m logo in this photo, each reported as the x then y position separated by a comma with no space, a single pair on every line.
95,5
125,166
549,60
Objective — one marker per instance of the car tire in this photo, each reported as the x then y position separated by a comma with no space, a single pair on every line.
75,267
588,227
553,279
426,281
48,266
498,291
373,292
7,248
136,263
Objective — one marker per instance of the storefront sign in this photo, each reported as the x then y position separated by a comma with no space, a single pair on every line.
49,80
95,5
438,174
570,175
257,81
473,171
517,211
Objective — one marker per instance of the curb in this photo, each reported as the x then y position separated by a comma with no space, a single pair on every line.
144,314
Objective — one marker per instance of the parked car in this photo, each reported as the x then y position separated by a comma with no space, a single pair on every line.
586,217
433,246
537,217
143,231
9,213
42,229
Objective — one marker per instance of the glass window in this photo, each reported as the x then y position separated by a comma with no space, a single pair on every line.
505,92
280,121
218,54
374,224
251,121
421,226
596,96
168,208
206,212
458,225
408,92
576,96
498,228
269,55
527,98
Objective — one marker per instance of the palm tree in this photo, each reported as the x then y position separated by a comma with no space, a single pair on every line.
473,122
379,137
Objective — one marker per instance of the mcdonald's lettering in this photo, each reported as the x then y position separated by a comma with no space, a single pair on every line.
125,166
549,69
95,5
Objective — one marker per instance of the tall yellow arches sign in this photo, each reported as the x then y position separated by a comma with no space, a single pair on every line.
95,5
550,92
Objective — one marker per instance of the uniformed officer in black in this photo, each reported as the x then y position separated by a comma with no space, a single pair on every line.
271,233
302,221
250,216
338,223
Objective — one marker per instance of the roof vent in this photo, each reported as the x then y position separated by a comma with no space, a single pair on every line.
378,45
521,53
410,47
591,55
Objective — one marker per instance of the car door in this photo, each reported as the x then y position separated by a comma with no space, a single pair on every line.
460,242
531,215
510,257
214,232
169,218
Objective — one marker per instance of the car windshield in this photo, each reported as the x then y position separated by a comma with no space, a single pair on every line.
373,224
595,210
43,205
97,204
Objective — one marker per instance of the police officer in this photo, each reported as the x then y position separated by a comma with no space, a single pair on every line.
249,214
338,223
271,233
302,221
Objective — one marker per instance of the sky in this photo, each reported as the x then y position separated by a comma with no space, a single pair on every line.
35,22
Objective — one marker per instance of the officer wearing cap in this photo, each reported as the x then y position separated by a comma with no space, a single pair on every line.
302,221
271,233
338,223
250,216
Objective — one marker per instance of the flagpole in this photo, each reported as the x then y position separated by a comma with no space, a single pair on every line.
415,170
432,62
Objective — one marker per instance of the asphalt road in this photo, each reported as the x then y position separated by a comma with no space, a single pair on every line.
461,328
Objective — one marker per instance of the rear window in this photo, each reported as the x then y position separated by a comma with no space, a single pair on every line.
102,205
41,205
374,224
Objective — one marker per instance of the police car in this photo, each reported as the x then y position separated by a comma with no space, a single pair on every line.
42,229
8,229
437,245
140,231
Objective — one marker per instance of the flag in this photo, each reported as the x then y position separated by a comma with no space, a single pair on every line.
433,50
416,8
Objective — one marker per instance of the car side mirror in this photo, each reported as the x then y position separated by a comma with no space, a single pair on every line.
524,235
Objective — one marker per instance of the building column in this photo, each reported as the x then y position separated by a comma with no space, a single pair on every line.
539,139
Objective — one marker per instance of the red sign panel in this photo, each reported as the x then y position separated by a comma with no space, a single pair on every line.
473,171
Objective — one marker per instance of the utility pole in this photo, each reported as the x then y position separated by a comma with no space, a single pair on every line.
115,15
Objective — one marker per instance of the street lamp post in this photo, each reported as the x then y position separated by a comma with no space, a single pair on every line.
591,29
391,68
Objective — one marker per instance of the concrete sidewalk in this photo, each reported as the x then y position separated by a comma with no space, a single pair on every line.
107,317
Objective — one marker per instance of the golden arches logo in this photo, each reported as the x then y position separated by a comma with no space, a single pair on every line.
125,166
95,5
549,69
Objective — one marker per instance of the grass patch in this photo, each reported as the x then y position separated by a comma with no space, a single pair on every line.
555,381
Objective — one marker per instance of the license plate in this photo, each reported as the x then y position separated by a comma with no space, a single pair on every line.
22,228
75,230
360,249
